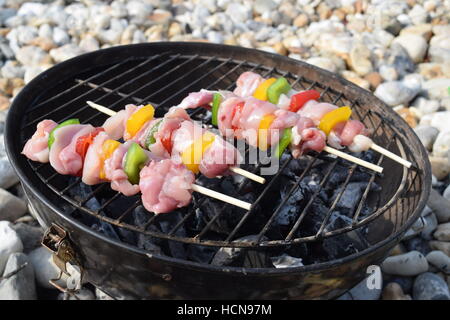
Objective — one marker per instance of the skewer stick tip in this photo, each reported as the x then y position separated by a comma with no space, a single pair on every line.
353,159
391,155
248,174
221,197
101,108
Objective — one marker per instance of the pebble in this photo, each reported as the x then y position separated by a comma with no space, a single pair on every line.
440,167
19,286
4,102
431,70
60,36
437,88
374,79
437,120
353,77
301,20
11,207
33,72
238,13
431,224
394,93
440,260
65,52
429,286
442,232
427,135
324,63
31,236
9,243
415,45
406,283
417,243
440,206
446,193
426,106
362,292
89,43
388,72
424,30
82,294
393,291
45,269
441,245
11,69
262,6
441,146
408,264
31,56
359,59
101,295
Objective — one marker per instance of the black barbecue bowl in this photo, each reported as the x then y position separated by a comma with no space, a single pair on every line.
125,271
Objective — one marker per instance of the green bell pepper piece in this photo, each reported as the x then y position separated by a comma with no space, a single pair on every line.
217,99
135,160
276,89
51,137
150,137
284,142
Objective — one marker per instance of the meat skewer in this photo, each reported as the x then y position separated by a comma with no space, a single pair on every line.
83,150
304,103
223,158
239,117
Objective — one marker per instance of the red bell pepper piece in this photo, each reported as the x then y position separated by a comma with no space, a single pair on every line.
299,99
85,141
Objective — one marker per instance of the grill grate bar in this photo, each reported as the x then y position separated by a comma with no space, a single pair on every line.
105,89
97,113
336,201
183,77
93,193
128,211
69,90
285,199
258,200
87,93
144,86
70,186
305,210
110,200
366,191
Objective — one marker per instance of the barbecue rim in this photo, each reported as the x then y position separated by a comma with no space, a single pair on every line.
326,80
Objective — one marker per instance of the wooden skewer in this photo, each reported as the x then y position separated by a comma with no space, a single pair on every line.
366,140
221,197
390,155
248,174
236,170
356,160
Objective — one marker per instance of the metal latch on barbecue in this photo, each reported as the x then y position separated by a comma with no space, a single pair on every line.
57,241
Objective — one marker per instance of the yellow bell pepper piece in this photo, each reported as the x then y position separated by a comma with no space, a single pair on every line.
263,132
261,92
192,156
139,118
332,118
109,146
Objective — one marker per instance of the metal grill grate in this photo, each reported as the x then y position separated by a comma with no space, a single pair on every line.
164,79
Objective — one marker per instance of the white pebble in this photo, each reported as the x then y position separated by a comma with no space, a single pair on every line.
9,243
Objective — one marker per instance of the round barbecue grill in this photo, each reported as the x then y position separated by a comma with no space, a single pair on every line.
336,217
